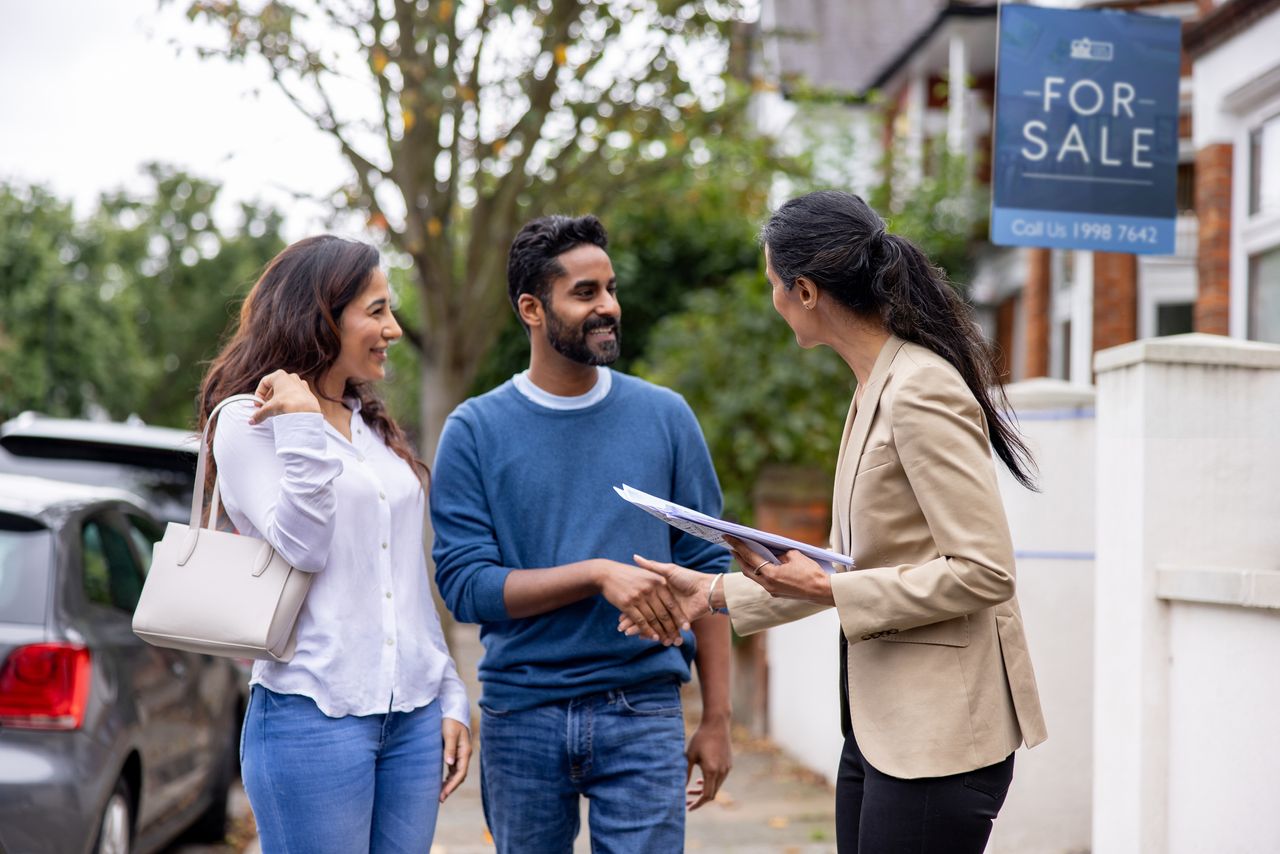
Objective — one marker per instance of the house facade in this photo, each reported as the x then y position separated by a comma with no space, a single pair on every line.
909,79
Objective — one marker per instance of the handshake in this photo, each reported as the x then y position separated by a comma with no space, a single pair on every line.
657,600
663,598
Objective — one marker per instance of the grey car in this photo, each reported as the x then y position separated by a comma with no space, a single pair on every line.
158,464
106,743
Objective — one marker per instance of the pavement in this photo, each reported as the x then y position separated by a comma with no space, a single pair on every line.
768,805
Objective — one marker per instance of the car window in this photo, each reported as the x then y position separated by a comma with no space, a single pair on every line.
26,559
111,575
145,534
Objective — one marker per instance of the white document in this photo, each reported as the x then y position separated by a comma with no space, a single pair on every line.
767,546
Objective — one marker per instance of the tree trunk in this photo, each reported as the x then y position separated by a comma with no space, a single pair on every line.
441,390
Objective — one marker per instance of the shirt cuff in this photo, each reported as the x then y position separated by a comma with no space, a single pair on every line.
299,431
454,705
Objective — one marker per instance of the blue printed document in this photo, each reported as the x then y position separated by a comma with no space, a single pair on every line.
768,546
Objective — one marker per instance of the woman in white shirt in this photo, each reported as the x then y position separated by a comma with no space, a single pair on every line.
339,743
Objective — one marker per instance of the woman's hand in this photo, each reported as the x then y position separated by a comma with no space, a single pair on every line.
689,588
457,755
283,392
793,577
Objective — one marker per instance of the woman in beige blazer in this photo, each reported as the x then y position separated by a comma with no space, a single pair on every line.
935,672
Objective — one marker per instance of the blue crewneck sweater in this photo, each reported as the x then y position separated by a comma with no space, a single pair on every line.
520,486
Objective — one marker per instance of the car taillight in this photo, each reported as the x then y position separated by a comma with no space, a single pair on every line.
45,686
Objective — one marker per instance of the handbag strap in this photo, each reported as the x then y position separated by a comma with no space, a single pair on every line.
197,497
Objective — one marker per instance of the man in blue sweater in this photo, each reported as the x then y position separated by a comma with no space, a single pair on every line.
532,543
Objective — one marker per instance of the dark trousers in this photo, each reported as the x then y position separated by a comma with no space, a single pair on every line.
879,814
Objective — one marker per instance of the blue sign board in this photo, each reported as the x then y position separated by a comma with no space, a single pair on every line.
1086,141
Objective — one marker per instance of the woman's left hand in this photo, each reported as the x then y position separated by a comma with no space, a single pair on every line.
457,755
793,577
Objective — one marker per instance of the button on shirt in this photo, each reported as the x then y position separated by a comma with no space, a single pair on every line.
369,639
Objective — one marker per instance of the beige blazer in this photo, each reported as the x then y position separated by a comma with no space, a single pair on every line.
939,677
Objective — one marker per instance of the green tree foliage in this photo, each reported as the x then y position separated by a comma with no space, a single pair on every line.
189,277
479,114
68,330
119,312
760,398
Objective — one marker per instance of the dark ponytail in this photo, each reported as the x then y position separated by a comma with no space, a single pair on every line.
836,241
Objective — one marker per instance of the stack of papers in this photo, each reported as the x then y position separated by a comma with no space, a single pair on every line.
767,546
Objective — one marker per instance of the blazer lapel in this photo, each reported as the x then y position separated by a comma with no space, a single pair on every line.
856,430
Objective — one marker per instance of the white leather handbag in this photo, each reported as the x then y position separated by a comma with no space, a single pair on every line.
219,593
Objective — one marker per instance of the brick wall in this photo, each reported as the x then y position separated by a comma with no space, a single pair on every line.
1115,299
1213,207
1004,338
1035,303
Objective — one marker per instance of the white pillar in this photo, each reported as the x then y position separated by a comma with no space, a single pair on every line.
957,95
1081,368
1187,461
1048,809
914,148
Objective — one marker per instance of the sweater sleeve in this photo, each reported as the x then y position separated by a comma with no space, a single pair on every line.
695,485
279,476
469,573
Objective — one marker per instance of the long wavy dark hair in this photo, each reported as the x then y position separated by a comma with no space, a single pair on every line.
289,322
836,241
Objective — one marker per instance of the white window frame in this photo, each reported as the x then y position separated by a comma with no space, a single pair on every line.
1251,235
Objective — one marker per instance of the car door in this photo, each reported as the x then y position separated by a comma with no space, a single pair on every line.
210,682
153,682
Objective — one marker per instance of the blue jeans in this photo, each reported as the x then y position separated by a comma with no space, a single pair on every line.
366,783
622,749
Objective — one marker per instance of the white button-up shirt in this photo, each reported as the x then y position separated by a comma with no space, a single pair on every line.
368,636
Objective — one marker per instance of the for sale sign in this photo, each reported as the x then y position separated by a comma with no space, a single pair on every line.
1086,143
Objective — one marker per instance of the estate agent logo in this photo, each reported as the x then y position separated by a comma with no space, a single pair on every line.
1086,49
1086,146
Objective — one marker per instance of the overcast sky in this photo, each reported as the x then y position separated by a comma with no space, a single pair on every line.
91,89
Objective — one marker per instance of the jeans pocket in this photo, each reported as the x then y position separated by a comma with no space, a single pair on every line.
658,701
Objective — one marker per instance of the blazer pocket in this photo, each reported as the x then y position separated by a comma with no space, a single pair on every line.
954,632
874,458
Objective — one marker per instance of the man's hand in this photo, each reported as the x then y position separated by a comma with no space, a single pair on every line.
686,587
710,749
457,755
644,600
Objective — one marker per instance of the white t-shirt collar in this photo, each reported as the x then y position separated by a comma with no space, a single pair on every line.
598,392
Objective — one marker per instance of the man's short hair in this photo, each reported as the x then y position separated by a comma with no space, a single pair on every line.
532,263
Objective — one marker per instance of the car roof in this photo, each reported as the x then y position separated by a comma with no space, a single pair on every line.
32,425
37,496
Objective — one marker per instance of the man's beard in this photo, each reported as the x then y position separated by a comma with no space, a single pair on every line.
572,343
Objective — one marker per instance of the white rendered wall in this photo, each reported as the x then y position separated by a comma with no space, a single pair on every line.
804,691
1224,729
1188,460
1240,60
1048,807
